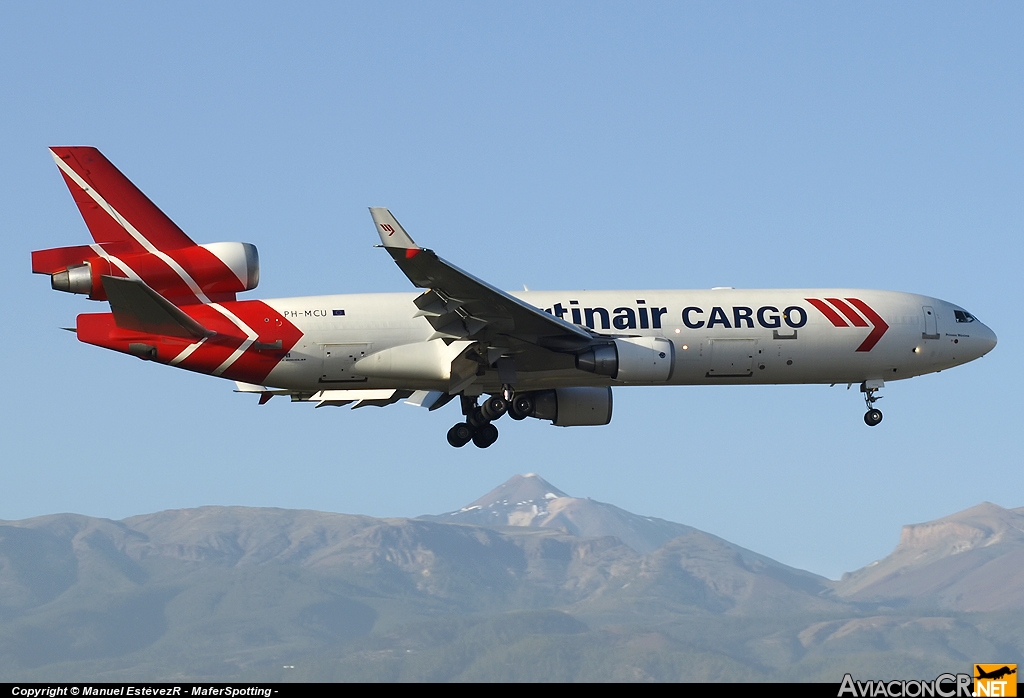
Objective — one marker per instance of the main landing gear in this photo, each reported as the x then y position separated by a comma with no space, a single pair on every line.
478,427
873,416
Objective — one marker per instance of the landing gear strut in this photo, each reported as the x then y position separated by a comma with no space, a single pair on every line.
873,416
478,426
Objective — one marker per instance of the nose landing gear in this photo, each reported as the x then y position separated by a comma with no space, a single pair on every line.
873,416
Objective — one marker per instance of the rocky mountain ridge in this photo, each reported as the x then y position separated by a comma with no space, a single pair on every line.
228,592
969,561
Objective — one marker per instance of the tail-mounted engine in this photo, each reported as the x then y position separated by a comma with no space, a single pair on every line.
630,360
136,240
217,270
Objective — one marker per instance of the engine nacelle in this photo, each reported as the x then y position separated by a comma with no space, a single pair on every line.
241,258
574,407
219,269
75,279
83,278
631,360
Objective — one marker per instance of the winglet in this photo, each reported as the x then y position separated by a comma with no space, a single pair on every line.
392,234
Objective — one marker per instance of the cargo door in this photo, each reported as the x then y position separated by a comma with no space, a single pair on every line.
732,357
338,360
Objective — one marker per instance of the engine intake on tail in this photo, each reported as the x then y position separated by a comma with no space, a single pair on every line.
241,258
219,269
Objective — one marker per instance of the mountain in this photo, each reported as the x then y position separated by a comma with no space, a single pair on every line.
529,500
970,561
546,588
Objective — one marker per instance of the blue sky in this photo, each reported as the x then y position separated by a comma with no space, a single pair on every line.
557,145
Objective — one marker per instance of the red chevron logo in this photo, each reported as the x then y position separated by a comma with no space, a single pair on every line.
844,313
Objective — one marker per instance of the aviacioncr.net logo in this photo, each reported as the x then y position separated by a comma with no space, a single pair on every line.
995,680
943,686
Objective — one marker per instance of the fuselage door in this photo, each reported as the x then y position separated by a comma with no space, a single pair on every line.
732,357
338,360
931,325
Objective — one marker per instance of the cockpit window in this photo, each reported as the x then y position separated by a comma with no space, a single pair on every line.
963,316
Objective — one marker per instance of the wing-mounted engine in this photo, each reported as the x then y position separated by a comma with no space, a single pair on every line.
216,271
630,360
573,407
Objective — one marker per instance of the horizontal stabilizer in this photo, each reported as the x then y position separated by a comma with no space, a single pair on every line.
138,307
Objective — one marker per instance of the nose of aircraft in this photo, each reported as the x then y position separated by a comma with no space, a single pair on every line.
986,340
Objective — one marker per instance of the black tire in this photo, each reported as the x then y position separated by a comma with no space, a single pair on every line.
873,417
494,407
521,407
485,436
460,435
476,419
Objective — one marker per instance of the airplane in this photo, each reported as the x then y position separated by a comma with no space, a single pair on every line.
549,355
996,673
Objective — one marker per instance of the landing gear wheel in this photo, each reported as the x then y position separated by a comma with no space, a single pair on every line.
460,435
485,436
873,417
476,419
521,408
494,407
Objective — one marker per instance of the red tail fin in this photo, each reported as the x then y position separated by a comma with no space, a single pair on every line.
136,240
114,208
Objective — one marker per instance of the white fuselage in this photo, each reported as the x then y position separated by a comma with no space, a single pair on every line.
551,355
719,336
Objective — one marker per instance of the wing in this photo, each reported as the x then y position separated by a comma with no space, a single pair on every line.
460,306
